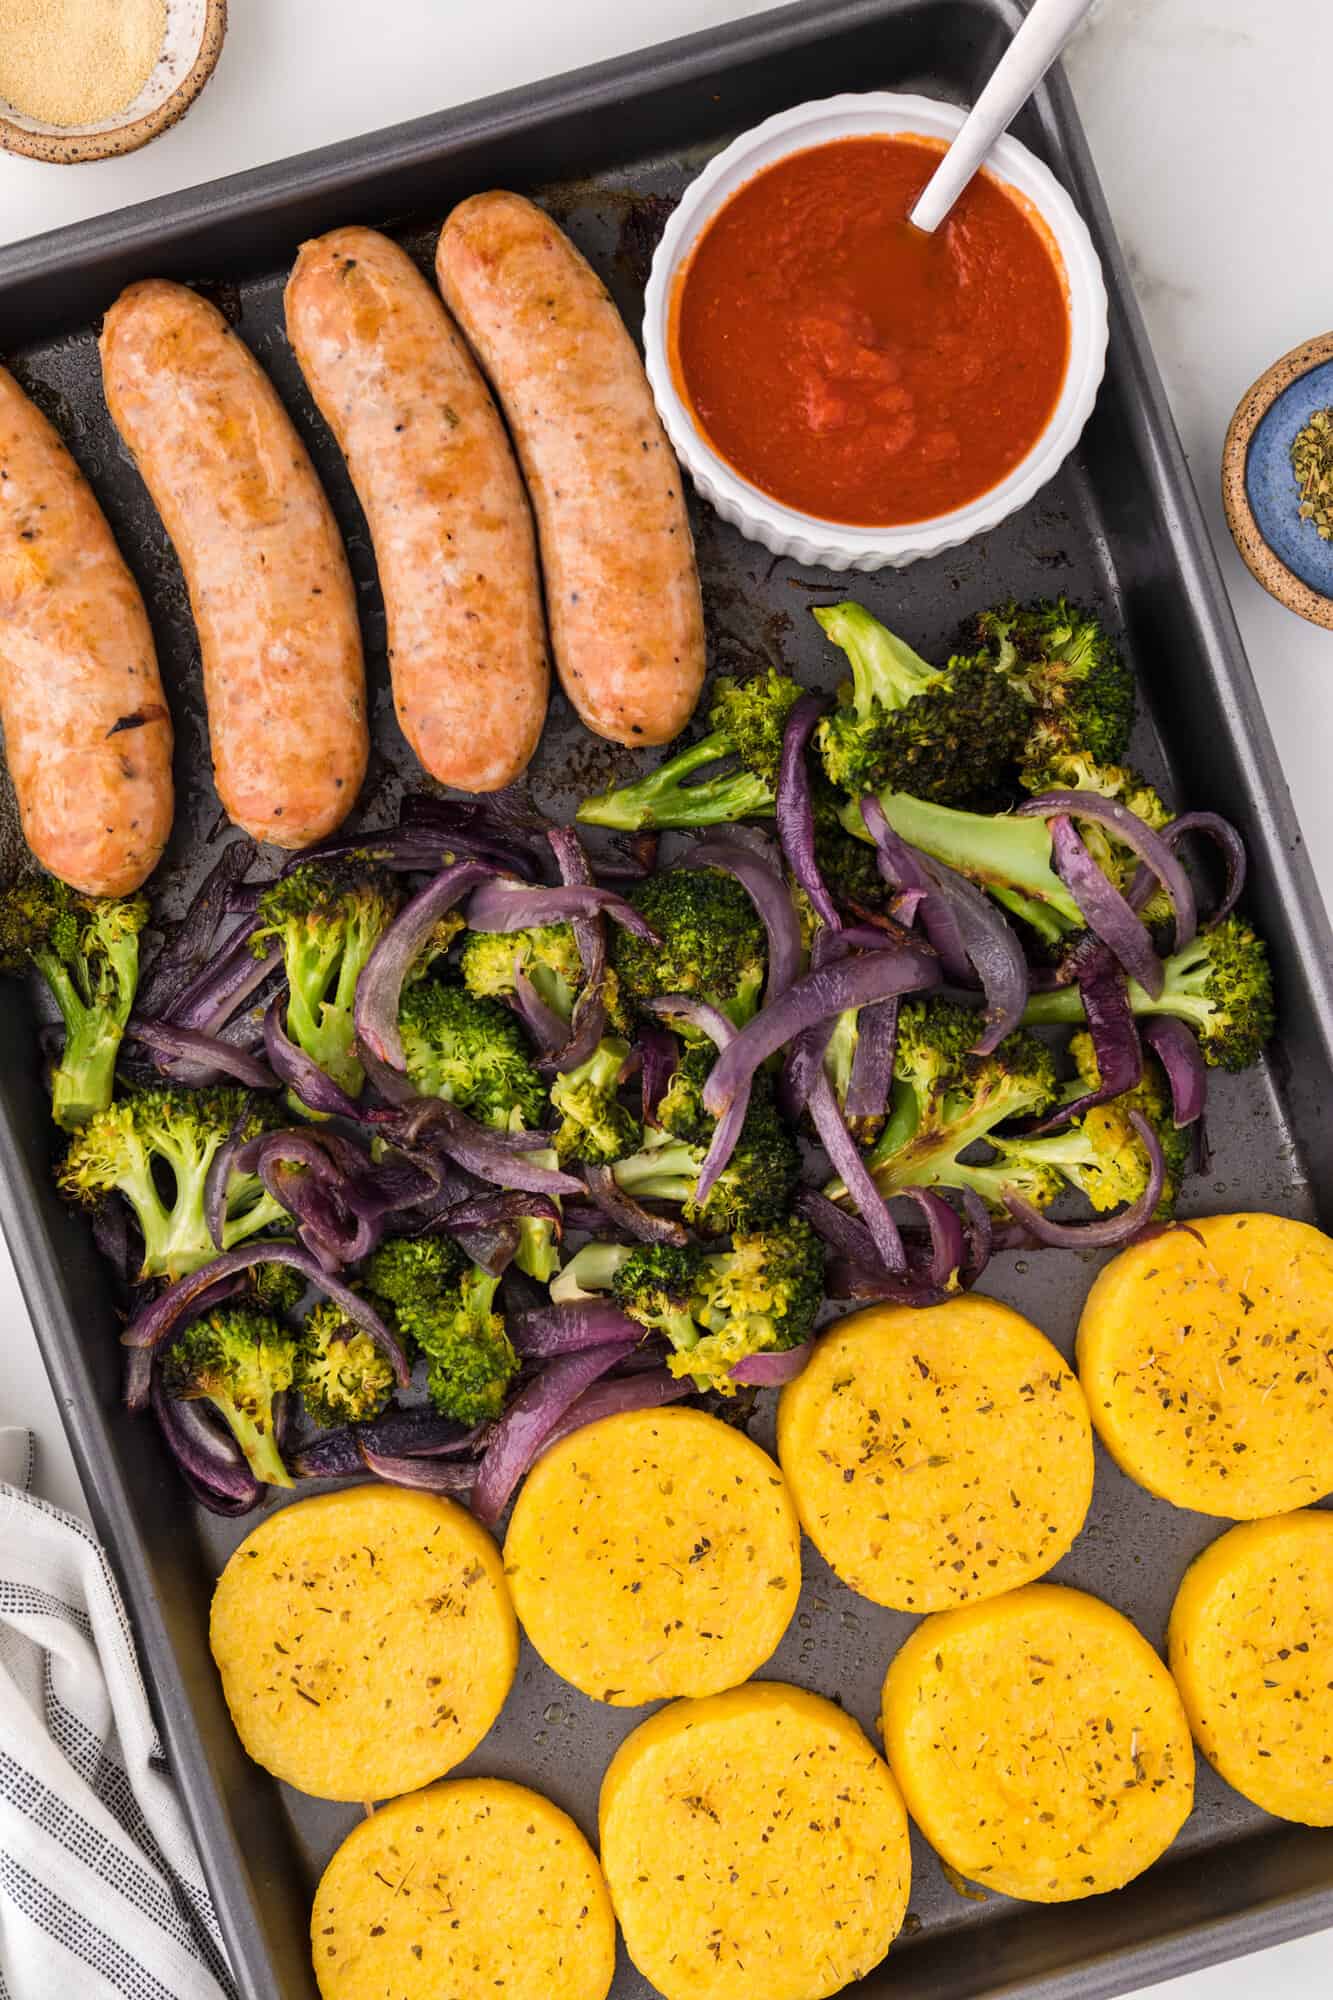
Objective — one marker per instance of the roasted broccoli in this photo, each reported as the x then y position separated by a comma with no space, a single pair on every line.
756,1186
594,1124
432,1294
87,950
276,1287
1099,1153
547,953
471,1051
241,1360
1220,985
1009,856
713,943
746,723
1080,773
945,1100
328,918
155,1147
715,1308
902,725
343,1376
1078,690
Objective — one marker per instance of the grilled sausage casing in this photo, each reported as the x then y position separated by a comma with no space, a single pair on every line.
448,516
622,593
87,732
269,585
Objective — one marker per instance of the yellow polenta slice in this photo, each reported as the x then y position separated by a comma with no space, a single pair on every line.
937,1457
471,1890
755,1847
654,1554
365,1639
1204,1355
1251,1647
1040,1743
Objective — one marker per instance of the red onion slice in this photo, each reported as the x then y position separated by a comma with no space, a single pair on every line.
572,1328
426,1475
1105,911
213,1466
531,1417
506,907
771,1370
903,868
647,1390
380,986
1134,833
1109,1231
659,1055
588,1023
1115,1037
850,1167
795,808
629,1215
871,1079
751,861
1180,1056
209,1051
1224,835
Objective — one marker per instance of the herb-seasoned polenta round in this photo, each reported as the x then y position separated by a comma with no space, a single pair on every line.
1251,1647
755,1847
471,1890
1040,1743
654,1554
937,1456
365,1639
1204,1357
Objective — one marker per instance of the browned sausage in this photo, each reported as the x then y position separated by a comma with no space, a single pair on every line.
622,595
269,585
87,733
436,478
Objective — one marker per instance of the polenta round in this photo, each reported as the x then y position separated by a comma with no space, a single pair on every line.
1251,1647
470,1890
1040,1743
365,1639
937,1456
755,1847
1204,1357
654,1554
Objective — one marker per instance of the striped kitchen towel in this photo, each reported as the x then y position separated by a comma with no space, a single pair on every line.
101,1894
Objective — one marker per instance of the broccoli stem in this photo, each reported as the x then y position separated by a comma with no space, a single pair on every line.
84,1078
1009,856
659,1173
663,799
256,1441
885,670
1184,995
324,1027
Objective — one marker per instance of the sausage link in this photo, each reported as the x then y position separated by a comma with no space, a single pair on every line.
269,585
87,732
622,593
448,516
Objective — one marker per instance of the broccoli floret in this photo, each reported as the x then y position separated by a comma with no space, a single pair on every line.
240,1360
328,918
1077,687
762,1294
946,1100
471,1051
756,1186
155,1147
547,953
713,943
680,1109
343,1377
1010,857
1221,985
86,948
902,725
850,869
655,1285
1100,1154
594,1124
746,722
434,1296
277,1287
1078,772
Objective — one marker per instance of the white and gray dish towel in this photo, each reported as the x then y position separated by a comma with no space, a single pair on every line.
101,1893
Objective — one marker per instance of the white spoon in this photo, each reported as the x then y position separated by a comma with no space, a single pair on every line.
1020,69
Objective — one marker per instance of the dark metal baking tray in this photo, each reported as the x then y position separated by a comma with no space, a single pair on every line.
608,150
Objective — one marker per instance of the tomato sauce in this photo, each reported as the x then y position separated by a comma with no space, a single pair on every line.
853,367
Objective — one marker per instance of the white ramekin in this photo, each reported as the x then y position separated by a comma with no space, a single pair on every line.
833,544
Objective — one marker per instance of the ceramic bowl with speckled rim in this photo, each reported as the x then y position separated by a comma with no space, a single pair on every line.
838,545
1260,495
191,43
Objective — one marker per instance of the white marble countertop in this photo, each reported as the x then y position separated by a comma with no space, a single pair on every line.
1192,111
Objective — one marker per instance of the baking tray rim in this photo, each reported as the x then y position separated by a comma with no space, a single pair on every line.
345,165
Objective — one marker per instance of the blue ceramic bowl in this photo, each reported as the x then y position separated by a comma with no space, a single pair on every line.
1270,483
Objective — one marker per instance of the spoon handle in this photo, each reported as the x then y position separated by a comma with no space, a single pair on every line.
1020,69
